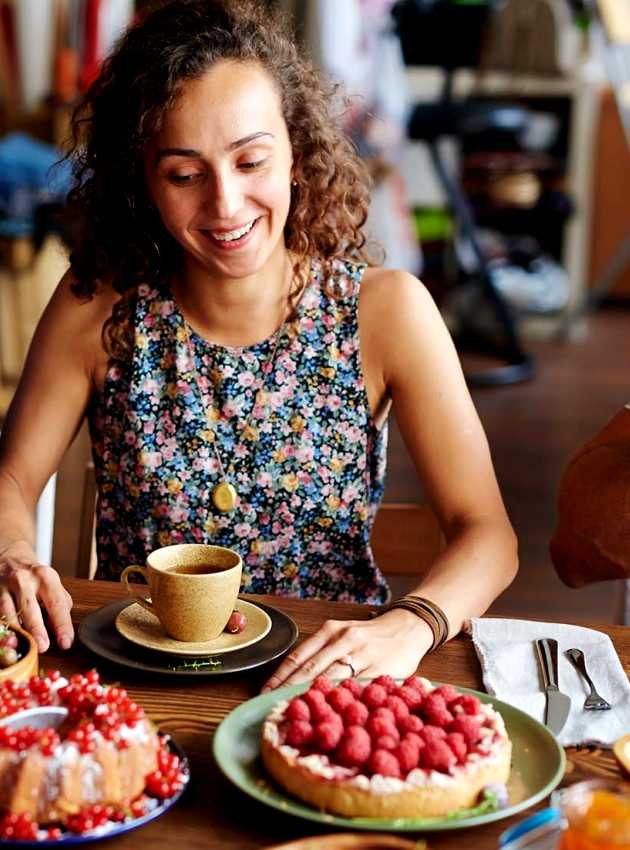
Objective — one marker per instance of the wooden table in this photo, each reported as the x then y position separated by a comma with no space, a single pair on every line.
212,814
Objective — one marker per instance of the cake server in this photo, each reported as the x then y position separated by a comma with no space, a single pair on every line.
39,717
558,704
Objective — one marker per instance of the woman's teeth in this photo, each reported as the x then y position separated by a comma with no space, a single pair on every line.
231,235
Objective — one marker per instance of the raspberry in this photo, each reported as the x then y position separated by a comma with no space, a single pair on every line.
408,756
447,692
385,742
313,698
356,714
323,684
414,739
374,696
410,723
340,699
384,763
385,713
354,748
467,703
469,728
415,683
298,710
410,696
398,706
298,733
437,755
377,726
326,736
456,742
386,682
432,733
323,713
354,686
435,712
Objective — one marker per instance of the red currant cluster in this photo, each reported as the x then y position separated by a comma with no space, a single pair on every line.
15,696
385,728
27,737
20,827
168,778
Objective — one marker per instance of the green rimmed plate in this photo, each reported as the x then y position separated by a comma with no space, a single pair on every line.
538,763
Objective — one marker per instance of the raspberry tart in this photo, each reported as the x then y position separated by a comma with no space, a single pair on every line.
105,763
386,749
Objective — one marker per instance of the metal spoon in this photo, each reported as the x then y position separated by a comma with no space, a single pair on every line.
40,717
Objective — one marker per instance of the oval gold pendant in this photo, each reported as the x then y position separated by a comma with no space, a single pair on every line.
224,497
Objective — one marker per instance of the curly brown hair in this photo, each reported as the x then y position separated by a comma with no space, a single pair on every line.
117,240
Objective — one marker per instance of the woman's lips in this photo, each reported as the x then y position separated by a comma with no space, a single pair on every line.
232,244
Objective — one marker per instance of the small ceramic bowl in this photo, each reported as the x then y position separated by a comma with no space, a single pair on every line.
28,665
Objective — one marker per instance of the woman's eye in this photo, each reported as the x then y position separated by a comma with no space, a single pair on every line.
250,165
183,179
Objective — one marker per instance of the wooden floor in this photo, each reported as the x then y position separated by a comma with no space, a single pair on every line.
532,429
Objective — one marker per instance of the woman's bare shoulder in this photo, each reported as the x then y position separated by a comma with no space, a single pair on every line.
391,293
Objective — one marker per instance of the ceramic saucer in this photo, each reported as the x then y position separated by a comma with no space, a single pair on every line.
140,627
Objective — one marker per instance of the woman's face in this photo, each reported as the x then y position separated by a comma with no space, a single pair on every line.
219,170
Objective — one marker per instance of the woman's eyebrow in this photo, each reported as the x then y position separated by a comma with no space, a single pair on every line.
191,153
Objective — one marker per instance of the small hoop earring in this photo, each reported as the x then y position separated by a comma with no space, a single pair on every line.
294,182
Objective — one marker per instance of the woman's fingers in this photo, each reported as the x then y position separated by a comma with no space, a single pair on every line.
24,586
8,611
58,604
314,655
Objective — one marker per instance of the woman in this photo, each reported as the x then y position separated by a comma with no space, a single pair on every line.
209,328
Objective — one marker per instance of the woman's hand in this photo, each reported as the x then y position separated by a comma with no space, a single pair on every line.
25,585
393,643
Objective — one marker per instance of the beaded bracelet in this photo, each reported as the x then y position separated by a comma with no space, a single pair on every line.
428,611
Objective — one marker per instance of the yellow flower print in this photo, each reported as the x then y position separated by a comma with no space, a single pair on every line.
250,433
142,341
362,513
174,486
181,334
333,502
279,455
210,526
171,389
298,424
324,521
291,570
333,351
336,464
327,372
290,482
212,414
256,547
164,538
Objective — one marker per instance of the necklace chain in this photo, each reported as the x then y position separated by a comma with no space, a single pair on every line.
224,494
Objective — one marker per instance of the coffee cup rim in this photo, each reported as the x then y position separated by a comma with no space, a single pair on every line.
161,568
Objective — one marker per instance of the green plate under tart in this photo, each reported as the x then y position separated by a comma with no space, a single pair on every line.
538,763
142,627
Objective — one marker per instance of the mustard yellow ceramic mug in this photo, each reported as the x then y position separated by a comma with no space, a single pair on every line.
193,588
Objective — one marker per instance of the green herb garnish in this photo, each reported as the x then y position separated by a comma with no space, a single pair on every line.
197,664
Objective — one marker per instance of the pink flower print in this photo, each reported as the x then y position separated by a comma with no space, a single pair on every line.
213,466
130,438
200,464
149,321
229,410
263,519
354,434
144,290
264,479
151,460
183,388
246,379
276,527
307,324
329,321
242,529
275,399
350,494
240,450
150,386
179,514
304,454
258,411
251,560
167,453
334,402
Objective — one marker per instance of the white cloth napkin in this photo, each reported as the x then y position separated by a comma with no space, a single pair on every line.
510,671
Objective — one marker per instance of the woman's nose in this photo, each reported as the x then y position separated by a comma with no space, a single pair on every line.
224,197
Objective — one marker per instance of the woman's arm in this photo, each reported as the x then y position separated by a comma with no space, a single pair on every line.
43,419
408,357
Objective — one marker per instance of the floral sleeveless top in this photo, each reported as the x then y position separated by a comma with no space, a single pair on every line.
304,454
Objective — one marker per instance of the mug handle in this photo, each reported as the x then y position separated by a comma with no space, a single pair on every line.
136,568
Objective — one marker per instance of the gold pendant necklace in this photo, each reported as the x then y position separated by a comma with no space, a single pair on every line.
224,494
